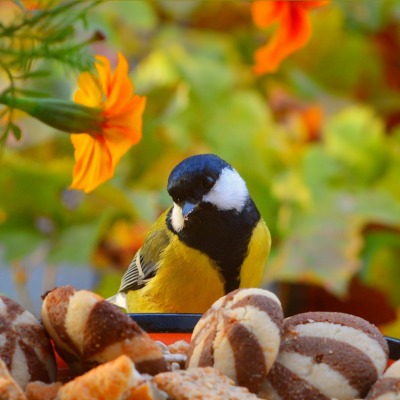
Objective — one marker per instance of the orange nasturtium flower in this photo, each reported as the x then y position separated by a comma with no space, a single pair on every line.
31,5
293,32
97,153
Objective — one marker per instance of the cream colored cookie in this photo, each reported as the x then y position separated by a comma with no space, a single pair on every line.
326,355
89,331
24,345
239,335
9,389
388,386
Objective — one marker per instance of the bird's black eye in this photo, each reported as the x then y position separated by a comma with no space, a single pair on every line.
208,182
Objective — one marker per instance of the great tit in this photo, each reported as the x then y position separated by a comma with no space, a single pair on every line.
211,241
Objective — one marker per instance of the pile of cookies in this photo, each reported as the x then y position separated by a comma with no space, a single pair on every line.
241,348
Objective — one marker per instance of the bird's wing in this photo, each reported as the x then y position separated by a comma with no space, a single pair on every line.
137,274
145,262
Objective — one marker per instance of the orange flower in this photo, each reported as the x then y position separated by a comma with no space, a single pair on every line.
31,5
96,155
293,32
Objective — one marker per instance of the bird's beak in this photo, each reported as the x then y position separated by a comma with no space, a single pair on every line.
187,208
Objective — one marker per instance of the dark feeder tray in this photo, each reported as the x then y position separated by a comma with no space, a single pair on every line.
167,328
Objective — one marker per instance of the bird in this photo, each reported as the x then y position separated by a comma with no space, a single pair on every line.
209,242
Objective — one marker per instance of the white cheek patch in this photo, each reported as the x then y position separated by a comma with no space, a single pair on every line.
177,219
229,192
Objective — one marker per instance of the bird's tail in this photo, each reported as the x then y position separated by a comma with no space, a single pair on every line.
119,300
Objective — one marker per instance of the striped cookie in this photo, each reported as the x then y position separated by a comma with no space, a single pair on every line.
388,386
239,335
326,355
24,345
88,331
9,389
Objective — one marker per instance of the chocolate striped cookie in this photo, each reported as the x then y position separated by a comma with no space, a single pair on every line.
388,386
326,355
88,331
239,335
24,345
9,389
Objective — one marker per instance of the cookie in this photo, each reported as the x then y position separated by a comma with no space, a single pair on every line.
111,380
239,335
24,345
388,386
42,391
326,355
88,330
9,389
201,383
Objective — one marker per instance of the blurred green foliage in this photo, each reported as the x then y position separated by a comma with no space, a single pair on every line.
318,143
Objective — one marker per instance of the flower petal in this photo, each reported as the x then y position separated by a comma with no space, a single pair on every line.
103,69
121,87
293,33
264,13
119,142
89,92
93,162
130,116
97,155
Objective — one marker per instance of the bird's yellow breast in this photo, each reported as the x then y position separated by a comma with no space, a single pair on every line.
187,281
254,264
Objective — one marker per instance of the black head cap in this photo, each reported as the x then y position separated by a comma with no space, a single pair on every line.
193,177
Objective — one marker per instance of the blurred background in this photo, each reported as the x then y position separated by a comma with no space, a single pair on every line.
318,143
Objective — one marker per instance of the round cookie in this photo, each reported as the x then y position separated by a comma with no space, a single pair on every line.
326,355
240,335
88,330
24,345
387,387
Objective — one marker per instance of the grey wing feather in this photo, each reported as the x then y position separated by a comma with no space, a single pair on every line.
137,274
145,263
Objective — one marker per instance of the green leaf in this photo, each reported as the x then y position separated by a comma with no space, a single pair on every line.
319,171
366,15
109,284
23,203
234,127
75,244
333,45
179,10
35,74
16,131
145,204
355,138
321,248
381,262
19,242
378,207
32,93
207,77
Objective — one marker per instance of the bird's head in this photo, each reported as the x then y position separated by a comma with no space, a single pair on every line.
201,180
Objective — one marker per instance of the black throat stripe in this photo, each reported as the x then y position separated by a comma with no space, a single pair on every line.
223,236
